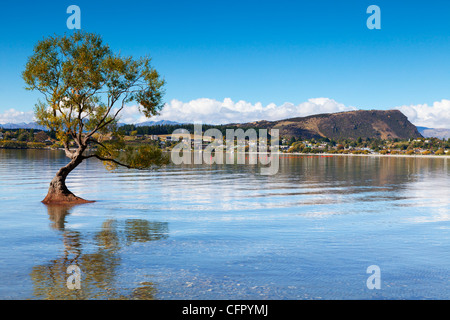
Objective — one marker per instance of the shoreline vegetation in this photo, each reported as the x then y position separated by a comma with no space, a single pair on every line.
286,154
161,138
419,147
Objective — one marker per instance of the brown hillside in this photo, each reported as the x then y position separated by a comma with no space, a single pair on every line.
353,124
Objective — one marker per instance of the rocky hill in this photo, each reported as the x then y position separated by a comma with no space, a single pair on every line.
380,124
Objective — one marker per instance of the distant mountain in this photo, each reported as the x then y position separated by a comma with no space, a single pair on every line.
22,125
156,123
35,126
434,133
352,124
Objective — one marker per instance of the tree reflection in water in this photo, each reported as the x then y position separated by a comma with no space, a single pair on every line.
99,278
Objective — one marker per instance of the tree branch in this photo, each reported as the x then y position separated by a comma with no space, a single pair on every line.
69,154
110,160
99,143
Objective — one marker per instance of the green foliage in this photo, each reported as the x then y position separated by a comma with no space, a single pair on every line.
23,137
86,86
161,129
8,144
116,152
36,145
41,136
145,156
360,152
297,147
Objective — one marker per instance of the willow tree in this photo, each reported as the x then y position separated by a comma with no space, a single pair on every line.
85,87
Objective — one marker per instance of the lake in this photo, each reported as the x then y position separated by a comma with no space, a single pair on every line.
227,232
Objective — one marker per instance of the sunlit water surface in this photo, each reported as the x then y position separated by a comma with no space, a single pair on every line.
227,232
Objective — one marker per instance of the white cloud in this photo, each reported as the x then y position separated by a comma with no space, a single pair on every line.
15,116
423,115
131,114
227,111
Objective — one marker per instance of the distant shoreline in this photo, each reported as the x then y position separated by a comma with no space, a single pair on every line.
343,154
357,155
294,154
373,155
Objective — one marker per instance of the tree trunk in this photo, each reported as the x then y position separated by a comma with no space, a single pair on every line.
58,192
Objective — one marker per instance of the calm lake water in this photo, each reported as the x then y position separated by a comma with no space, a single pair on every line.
227,232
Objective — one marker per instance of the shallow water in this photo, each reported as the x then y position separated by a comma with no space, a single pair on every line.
227,232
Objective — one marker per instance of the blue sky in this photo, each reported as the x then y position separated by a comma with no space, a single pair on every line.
268,52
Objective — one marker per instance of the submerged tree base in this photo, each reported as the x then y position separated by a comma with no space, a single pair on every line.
58,194
60,199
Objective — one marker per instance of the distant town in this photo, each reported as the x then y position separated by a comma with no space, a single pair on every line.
162,136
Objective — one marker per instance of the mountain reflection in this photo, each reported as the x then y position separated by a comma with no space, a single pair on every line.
99,266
